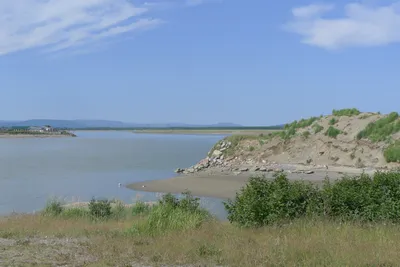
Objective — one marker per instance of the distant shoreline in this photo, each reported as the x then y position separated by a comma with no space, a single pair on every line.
205,131
12,136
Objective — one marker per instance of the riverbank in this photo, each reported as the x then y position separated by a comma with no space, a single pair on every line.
36,135
179,234
224,184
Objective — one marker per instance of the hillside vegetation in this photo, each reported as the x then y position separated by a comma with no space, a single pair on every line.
347,137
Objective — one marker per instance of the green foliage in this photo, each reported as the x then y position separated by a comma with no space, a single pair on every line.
346,112
392,152
361,198
306,134
172,214
317,128
332,132
100,209
75,212
333,121
382,129
251,148
140,208
53,207
290,129
264,201
364,198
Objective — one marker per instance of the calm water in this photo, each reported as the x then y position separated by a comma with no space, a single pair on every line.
92,165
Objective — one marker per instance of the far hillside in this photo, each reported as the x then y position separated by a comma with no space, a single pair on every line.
347,137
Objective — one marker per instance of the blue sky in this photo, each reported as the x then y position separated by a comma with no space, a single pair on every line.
198,61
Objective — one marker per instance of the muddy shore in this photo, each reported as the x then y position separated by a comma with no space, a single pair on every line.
219,184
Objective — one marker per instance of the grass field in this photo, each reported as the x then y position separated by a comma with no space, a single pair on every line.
53,241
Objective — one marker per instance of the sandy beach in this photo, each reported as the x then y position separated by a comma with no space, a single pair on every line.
224,185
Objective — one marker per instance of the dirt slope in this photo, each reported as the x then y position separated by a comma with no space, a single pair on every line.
329,140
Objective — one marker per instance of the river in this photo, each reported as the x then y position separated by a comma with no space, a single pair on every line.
33,170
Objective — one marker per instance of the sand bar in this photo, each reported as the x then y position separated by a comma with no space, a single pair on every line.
219,185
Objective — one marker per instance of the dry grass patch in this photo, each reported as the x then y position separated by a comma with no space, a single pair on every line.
301,243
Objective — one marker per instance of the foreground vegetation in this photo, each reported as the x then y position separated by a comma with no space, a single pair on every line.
351,222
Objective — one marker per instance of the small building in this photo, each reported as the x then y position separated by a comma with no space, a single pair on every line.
36,129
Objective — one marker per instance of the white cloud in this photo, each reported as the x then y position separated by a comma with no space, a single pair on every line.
361,25
62,24
311,10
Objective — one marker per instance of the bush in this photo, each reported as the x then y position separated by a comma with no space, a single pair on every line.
382,129
317,128
264,201
77,212
346,112
306,134
364,198
332,132
100,208
361,198
333,121
140,208
172,214
392,152
53,207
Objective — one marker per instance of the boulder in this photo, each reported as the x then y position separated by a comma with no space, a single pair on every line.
255,169
244,169
179,170
263,169
216,153
309,172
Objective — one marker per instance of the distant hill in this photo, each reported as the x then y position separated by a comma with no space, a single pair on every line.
84,124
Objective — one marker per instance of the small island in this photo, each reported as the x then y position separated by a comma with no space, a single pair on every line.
33,131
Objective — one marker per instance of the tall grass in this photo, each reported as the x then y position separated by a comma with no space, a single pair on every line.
346,112
392,152
332,132
382,129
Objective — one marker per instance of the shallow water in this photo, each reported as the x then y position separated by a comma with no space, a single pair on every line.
33,170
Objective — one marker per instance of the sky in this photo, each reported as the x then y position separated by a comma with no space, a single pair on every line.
253,62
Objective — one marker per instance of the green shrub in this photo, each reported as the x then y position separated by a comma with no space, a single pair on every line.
360,198
392,152
172,214
382,129
333,121
364,198
346,112
317,128
332,132
263,201
75,212
53,207
100,208
140,208
306,134
251,148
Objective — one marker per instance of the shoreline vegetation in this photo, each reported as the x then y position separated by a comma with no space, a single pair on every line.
352,221
17,133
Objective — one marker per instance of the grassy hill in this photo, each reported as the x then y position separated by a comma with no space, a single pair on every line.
347,137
